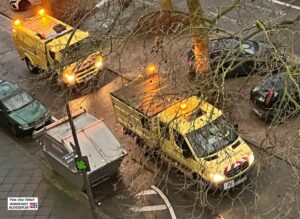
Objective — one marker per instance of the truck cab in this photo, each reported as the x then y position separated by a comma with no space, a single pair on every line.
189,133
47,44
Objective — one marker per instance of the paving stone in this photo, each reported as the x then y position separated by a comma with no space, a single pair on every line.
3,195
14,194
40,193
14,172
48,202
15,217
3,172
2,179
40,217
7,165
18,187
44,211
27,217
3,204
3,213
26,193
28,173
35,179
5,187
29,213
10,179
42,186
2,159
22,179
30,186
15,213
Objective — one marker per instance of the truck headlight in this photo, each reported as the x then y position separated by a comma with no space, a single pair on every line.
251,159
217,177
99,62
69,78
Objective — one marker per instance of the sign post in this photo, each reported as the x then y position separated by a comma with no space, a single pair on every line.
82,164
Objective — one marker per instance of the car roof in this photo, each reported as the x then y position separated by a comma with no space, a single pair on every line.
222,43
7,88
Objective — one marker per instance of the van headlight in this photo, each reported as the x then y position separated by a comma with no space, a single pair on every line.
251,159
99,62
69,77
217,177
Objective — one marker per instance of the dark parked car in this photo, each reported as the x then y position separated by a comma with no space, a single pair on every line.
19,111
267,97
243,57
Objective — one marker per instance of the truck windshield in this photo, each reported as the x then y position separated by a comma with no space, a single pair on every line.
78,51
17,101
212,137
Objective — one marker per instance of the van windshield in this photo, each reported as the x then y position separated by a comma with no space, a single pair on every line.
78,51
212,137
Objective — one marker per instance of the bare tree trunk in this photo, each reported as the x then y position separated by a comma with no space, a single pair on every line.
199,36
167,5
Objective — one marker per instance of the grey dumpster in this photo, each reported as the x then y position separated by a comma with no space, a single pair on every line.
103,150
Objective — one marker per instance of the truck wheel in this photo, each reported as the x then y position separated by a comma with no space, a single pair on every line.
31,67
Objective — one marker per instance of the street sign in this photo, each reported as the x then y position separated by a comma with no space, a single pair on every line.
82,164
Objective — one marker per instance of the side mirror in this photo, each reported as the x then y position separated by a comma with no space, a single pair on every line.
187,154
236,126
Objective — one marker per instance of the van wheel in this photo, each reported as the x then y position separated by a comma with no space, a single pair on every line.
31,67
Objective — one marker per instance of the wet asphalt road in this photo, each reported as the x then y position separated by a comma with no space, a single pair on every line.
273,191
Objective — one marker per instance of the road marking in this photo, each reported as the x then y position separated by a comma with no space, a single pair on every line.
155,191
285,4
101,3
168,204
149,208
147,3
147,192
224,17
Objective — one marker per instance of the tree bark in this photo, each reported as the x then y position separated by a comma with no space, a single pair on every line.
200,39
167,5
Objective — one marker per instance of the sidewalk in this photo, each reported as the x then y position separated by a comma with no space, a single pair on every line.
21,176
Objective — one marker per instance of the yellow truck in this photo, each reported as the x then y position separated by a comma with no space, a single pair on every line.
42,42
190,134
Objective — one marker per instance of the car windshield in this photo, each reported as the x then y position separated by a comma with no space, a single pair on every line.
212,137
248,47
17,101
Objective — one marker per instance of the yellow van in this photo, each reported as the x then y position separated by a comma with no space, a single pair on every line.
189,133
42,42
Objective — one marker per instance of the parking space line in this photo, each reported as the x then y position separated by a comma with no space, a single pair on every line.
285,4
149,208
147,192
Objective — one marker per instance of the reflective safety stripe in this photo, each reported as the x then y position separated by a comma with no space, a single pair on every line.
236,164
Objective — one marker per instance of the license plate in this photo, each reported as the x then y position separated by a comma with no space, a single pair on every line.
232,183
